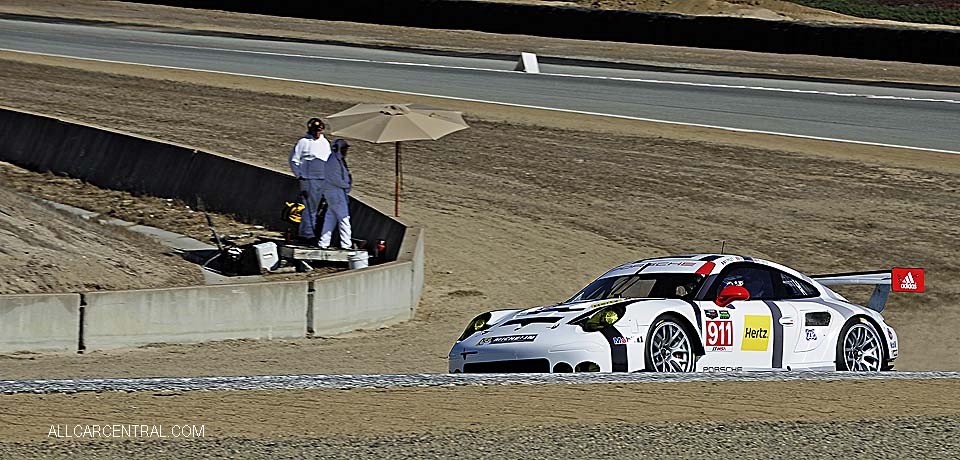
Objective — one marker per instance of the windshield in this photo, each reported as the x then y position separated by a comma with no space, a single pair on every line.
655,285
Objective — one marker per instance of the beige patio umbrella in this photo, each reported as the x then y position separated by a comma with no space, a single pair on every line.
381,123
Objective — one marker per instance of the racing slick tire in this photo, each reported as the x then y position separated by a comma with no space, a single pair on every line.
670,346
859,347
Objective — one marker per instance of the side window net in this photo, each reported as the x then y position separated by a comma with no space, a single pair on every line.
795,288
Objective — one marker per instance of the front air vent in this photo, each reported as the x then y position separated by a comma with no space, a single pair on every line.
526,321
541,365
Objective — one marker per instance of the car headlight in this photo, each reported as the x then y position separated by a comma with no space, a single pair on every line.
605,317
476,325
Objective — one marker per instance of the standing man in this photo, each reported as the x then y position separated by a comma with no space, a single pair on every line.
309,163
337,186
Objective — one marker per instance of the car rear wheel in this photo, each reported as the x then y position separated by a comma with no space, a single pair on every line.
669,347
860,348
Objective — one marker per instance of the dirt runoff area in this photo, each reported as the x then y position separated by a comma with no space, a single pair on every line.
45,250
849,419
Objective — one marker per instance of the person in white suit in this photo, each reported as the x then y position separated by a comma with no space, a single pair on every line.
336,190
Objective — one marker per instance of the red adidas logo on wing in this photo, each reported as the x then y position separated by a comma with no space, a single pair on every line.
907,280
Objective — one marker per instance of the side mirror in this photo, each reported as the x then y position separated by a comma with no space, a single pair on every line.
730,294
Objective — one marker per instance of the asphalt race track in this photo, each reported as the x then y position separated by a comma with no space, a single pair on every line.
875,115
344,382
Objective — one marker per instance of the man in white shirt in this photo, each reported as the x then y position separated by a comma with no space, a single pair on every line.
309,163
337,186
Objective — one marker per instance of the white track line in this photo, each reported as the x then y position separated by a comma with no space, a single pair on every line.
508,104
298,382
563,75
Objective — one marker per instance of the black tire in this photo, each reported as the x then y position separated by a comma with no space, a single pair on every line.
670,324
861,357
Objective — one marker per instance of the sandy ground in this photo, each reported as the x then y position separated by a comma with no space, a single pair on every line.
522,209
759,9
45,250
379,412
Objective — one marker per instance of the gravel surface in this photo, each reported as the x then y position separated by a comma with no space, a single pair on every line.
297,382
903,437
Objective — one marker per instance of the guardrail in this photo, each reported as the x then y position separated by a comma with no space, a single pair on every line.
375,296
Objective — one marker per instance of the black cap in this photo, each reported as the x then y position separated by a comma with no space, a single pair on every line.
314,124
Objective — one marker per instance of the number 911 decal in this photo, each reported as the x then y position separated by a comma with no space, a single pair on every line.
719,335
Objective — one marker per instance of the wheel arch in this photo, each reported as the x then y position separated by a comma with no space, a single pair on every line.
883,338
685,322
876,326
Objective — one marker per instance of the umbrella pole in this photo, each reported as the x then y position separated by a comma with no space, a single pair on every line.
396,192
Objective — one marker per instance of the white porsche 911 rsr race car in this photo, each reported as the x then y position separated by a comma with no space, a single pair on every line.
711,313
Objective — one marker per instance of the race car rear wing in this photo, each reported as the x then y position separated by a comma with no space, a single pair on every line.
897,280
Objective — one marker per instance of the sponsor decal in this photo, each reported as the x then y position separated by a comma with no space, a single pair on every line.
631,265
720,335
731,259
621,340
605,303
890,333
712,314
811,334
907,280
722,369
712,349
676,264
724,314
756,333
507,339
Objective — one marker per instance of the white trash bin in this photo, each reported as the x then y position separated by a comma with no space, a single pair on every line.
357,259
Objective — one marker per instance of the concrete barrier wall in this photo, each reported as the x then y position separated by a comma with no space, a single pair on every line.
368,298
414,240
115,319
122,161
371,297
39,322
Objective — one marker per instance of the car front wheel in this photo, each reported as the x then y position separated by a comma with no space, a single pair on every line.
669,347
859,348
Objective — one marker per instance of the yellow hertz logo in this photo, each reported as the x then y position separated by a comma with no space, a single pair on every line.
756,333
